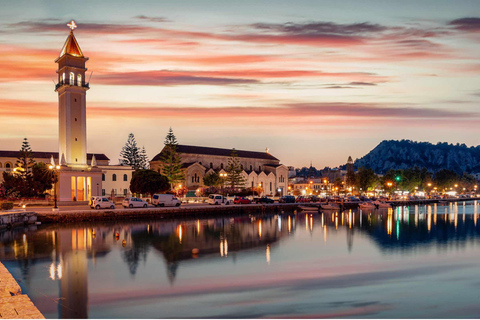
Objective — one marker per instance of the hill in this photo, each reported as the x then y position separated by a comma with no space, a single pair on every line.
394,154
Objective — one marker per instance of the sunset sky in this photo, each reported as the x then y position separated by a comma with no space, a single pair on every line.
311,80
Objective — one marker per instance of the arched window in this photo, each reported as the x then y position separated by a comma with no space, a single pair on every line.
221,165
103,176
251,168
63,77
72,78
211,164
192,179
114,177
79,80
8,166
125,178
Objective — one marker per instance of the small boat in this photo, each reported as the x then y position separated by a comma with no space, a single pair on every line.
304,208
382,204
367,205
329,206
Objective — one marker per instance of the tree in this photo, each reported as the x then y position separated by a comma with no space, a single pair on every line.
234,171
445,179
171,161
366,179
143,163
146,181
130,154
42,178
25,161
212,179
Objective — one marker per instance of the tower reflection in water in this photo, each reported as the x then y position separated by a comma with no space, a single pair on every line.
69,250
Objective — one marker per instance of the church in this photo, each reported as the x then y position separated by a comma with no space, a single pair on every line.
81,175
258,168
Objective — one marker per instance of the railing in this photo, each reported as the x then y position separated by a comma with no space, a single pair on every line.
74,83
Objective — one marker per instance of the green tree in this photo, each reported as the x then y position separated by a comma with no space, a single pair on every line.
171,161
212,179
143,163
130,154
146,181
234,171
445,179
366,179
25,161
42,178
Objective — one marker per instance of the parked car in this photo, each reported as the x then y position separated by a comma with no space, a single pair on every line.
302,199
101,203
133,202
287,199
241,200
217,199
265,200
165,200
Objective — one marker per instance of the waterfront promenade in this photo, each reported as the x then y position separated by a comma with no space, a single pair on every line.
14,304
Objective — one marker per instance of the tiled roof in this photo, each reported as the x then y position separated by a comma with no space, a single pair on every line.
71,47
220,152
48,155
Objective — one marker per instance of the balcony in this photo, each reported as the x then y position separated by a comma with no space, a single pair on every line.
74,83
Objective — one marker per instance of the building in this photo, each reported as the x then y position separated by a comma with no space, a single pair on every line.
259,168
80,175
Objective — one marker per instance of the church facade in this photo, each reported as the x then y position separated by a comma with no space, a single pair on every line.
258,168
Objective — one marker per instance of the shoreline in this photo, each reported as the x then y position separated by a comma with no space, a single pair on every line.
200,211
14,304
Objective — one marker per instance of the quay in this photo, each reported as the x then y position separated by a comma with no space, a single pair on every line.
14,304
13,218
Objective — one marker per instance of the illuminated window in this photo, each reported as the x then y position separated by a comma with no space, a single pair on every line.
72,78
79,79
63,77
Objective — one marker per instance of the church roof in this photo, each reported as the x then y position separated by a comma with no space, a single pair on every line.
220,152
71,47
48,155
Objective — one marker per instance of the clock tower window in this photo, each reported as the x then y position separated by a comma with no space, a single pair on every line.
79,80
72,78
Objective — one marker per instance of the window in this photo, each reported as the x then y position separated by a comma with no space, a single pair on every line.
192,179
63,77
114,177
125,178
221,165
75,139
0,164
270,186
251,168
103,176
75,119
8,166
79,80
103,192
211,165
241,166
72,78
125,192
259,168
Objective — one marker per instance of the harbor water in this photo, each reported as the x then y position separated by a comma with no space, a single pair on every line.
415,262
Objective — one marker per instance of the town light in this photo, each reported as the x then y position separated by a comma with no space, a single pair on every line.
397,178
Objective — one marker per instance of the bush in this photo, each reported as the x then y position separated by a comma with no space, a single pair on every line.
7,206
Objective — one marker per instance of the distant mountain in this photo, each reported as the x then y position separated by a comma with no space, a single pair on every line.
394,154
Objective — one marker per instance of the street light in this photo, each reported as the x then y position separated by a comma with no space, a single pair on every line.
54,170
223,176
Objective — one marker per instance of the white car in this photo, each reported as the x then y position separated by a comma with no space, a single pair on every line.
102,203
219,199
133,202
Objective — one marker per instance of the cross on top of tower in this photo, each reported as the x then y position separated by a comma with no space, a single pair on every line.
72,25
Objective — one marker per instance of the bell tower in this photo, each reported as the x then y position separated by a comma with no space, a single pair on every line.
72,89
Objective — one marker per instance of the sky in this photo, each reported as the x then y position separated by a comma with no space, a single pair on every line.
312,81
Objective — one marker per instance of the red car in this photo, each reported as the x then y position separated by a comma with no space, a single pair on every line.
241,201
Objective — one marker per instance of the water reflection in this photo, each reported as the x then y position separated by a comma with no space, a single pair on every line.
67,250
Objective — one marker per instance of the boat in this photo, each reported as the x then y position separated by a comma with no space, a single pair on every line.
366,205
305,208
329,206
382,204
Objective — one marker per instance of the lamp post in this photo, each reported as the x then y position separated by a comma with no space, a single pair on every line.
55,180
223,176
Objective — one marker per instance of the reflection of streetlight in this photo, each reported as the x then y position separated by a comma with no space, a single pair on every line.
54,170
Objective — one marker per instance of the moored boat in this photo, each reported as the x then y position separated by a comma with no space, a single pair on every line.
382,204
305,208
329,206
367,205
